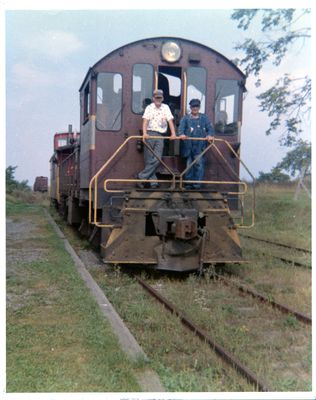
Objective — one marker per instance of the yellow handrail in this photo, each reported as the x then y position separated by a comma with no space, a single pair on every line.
94,179
168,181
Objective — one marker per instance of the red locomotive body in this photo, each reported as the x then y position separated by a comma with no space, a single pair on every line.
94,177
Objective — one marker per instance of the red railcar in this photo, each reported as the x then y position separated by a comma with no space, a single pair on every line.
41,184
169,228
64,167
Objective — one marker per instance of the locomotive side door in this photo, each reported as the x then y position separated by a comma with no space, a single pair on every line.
180,86
170,81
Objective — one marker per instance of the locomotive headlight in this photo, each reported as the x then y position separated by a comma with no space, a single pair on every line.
171,52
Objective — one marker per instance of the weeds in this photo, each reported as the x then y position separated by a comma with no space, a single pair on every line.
291,322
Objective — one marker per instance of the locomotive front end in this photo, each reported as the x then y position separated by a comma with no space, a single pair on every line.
173,230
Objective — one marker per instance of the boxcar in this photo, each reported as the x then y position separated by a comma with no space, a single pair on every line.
41,184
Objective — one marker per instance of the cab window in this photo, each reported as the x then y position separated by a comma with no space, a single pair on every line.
109,101
226,107
143,78
86,102
62,142
196,86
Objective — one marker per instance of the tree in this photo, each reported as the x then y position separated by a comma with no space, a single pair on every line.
288,100
295,161
275,176
298,159
11,183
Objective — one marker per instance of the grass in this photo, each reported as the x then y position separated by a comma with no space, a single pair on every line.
279,217
274,345
57,339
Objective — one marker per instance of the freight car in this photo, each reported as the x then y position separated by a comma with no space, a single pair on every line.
64,169
41,184
94,173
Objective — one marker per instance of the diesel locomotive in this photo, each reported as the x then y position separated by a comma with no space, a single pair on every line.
94,172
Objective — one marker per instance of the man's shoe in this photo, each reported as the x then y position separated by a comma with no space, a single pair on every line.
140,185
154,185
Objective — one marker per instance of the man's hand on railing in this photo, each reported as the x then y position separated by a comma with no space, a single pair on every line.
182,137
210,139
145,136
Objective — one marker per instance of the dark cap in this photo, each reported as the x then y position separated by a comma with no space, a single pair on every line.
158,93
195,103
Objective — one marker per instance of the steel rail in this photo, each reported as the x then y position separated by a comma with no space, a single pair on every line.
276,243
288,261
296,263
264,299
227,357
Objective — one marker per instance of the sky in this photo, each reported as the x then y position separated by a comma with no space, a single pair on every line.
48,53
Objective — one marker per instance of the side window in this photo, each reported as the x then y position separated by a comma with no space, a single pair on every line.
53,169
86,102
62,142
109,101
143,78
226,107
196,86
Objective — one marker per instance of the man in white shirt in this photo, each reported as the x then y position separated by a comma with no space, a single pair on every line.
156,118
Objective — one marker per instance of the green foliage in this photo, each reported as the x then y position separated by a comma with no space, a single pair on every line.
291,322
9,176
288,100
277,21
298,158
275,176
12,184
294,161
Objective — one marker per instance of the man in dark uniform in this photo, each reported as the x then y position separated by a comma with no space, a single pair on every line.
195,125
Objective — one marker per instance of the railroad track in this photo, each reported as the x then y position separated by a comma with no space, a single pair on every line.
291,262
265,299
275,243
229,358
284,259
224,354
